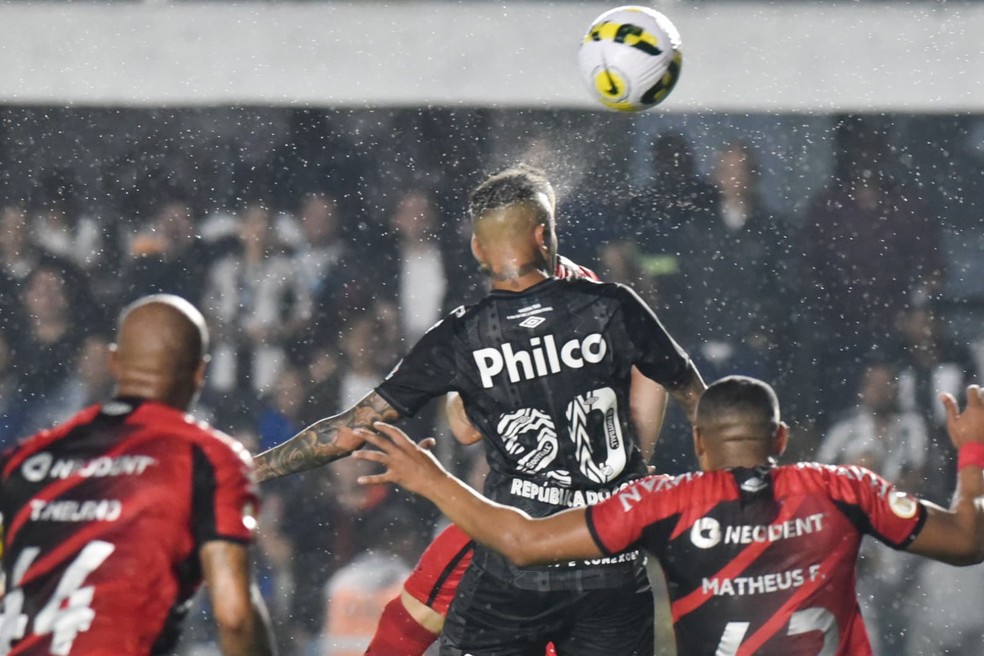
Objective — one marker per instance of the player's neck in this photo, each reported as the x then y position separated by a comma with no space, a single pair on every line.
176,396
517,279
735,459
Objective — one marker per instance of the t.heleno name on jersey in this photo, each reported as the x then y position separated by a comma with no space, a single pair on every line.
543,358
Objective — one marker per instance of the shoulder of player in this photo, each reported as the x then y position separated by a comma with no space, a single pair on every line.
622,292
859,493
615,291
458,315
445,327
17,453
220,446
836,481
594,289
671,493
196,432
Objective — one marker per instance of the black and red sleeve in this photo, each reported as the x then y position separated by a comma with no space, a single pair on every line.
224,500
619,522
877,507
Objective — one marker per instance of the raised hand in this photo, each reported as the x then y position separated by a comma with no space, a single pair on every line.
965,427
409,465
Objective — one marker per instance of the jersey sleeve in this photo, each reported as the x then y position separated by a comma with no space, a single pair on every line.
225,502
619,521
877,507
657,355
427,371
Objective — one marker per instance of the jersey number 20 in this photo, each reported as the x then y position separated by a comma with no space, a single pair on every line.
66,614
600,405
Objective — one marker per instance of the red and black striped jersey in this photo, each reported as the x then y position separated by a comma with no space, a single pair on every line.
761,561
103,519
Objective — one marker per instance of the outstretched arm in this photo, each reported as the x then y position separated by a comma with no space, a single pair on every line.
516,535
956,536
324,441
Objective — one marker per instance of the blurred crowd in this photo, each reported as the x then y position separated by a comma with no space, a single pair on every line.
311,300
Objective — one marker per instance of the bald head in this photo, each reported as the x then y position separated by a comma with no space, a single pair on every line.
160,352
738,422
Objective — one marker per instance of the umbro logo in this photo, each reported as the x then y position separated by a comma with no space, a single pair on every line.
116,408
532,322
753,485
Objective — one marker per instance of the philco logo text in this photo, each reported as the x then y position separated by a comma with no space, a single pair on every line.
543,358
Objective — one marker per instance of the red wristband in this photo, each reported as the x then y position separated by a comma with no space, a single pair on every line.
971,455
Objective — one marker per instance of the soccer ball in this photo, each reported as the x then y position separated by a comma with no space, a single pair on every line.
630,58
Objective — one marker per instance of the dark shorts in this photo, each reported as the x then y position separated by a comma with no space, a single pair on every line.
491,618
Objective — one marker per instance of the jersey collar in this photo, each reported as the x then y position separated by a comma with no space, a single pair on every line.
121,406
755,480
540,286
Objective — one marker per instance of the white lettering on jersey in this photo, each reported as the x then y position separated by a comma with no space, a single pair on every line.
542,359
792,528
633,495
763,583
530,311
624,557
706,533
525,423
43,465
101,510
559,496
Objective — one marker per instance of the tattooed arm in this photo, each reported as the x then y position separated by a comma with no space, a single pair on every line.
324,441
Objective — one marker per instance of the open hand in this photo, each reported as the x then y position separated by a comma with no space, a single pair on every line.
968,426
409,465
349,439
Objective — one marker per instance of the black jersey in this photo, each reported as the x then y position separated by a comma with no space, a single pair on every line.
544,375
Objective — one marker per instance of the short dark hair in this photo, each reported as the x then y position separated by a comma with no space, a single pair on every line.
516,184
750,397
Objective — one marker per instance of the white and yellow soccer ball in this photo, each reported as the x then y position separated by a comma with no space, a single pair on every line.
630,58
